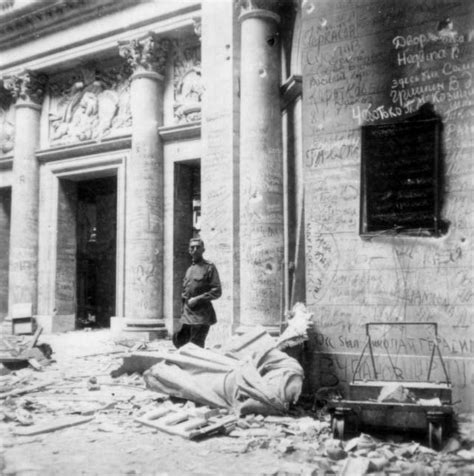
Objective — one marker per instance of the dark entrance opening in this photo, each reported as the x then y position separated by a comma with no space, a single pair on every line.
187,214
96,251
5,206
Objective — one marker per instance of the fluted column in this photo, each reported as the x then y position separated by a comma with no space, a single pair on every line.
27,90
143,294
261,171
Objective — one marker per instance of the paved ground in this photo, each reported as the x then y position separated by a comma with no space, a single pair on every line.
112,443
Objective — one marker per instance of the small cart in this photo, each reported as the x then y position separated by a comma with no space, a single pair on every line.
363,410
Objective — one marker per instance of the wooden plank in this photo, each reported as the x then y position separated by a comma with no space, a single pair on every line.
161,427
390,405
222,425
190,428
35,338
58,424
21,391
205,412
156,414
191,424
174,418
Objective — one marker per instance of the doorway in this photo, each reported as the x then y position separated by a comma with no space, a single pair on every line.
186,223
5,206
96,238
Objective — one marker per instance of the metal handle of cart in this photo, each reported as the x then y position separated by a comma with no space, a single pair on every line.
368,344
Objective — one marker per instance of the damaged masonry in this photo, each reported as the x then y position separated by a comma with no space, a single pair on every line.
177,177
195,411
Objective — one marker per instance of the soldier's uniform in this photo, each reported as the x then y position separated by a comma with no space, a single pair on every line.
201,280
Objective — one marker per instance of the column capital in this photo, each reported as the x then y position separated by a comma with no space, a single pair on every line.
147,54
197,25
259,9
27,88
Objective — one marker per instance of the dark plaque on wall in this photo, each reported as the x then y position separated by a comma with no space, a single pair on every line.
399,178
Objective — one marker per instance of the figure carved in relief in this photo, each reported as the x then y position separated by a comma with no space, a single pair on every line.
7,127
188,96
7,132
90,112
188,86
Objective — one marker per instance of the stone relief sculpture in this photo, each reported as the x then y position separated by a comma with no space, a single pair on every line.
7,125
188,86
89,106
7,131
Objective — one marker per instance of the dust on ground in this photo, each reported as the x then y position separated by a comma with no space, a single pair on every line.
77,383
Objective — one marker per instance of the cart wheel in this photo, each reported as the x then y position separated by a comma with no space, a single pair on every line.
435,435
338,428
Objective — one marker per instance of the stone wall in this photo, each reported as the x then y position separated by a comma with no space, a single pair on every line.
376,62
219,163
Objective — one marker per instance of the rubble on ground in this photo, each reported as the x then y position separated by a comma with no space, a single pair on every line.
20,351
249,374
81,392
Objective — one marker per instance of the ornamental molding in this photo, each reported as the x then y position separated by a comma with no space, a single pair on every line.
23,20
148,54
89,103
187,82
197,25
246,6
27,87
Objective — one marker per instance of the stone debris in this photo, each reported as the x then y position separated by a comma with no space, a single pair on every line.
395,392
300,442
17,352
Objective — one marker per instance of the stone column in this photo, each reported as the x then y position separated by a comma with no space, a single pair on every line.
261,171
27,90
143,294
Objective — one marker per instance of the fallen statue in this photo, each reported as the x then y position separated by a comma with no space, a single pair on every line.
248,375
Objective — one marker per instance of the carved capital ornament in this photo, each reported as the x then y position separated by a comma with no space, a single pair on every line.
197,25
27,87
147,54
258,9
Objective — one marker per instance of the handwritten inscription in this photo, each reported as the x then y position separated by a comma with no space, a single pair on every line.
336,369
362,66
322,260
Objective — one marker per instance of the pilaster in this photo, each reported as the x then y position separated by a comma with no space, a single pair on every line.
220,37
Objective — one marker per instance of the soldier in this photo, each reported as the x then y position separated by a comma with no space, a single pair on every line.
201,285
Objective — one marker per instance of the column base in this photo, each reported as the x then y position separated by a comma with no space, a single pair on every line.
138,329
273,330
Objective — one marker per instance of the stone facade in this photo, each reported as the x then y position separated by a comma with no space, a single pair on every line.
254,109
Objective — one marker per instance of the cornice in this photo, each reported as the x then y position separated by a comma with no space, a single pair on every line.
6,162
180,132
23,24
98,44
84,148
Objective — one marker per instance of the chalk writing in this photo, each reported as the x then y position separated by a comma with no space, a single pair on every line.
363,65
322,258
